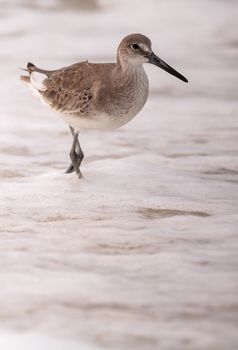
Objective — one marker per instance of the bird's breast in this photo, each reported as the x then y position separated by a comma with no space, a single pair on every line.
124,99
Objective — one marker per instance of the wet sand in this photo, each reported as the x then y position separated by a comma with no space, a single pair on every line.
141,254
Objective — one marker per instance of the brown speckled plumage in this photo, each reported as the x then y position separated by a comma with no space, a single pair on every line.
99,96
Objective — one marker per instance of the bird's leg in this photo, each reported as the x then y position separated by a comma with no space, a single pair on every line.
70,169
80,156
76,158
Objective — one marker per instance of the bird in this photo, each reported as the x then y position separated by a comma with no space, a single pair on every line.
98,96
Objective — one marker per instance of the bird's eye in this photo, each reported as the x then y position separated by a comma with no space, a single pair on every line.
135,46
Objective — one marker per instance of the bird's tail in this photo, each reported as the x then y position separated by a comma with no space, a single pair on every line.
30,69
36,77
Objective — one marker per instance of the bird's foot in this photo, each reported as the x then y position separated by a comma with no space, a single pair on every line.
74,166
80,176
70,169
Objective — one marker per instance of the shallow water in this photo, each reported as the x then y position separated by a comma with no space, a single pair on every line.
142,253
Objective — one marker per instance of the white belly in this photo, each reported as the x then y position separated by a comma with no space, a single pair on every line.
96,122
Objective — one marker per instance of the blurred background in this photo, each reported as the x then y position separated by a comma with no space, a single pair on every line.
143,254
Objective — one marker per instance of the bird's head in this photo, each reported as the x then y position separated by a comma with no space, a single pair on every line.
135,49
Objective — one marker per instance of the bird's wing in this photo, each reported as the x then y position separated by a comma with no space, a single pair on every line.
70,89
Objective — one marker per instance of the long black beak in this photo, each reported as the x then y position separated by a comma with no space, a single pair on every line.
160,63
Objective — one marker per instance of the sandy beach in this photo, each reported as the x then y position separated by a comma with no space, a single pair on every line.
142,253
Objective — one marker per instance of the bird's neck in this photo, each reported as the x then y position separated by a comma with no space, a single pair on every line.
129,72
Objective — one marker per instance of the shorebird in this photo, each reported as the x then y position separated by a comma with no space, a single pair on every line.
101,96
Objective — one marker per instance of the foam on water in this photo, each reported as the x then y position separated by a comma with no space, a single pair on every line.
142,253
